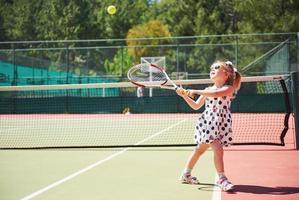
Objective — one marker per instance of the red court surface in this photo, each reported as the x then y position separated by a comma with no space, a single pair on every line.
270,174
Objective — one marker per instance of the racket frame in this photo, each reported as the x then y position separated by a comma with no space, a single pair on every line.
160,84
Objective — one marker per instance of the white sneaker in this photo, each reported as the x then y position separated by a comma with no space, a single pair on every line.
188,179
224,184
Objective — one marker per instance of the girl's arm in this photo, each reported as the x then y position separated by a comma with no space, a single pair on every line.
210,92
193,104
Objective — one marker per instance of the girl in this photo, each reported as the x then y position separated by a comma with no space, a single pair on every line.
214,127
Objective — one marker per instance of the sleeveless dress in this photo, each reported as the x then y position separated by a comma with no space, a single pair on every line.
215,123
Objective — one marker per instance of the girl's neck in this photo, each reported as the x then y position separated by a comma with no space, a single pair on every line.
219,83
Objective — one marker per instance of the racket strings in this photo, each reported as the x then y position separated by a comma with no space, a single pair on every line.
147,74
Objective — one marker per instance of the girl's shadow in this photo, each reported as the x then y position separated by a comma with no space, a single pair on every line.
255,189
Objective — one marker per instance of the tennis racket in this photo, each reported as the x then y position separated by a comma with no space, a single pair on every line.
150,75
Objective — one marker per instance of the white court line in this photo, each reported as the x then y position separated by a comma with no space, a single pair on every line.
216,190
34,194
7,129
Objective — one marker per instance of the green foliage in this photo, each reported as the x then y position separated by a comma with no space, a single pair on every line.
61,20
193,17
129,13
151,29
120,64
81,19
18,20
263,16
84,19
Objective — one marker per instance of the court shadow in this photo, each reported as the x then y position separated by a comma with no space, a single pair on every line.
206,186
255,189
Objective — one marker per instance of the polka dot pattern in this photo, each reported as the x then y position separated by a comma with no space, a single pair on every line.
215,123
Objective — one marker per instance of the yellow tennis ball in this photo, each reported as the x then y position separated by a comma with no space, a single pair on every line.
111,10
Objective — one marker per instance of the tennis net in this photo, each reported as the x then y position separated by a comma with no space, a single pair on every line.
111,115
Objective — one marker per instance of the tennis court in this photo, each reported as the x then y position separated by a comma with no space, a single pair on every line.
100,141
106,174
127,173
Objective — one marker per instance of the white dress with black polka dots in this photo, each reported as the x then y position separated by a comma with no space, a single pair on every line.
215,123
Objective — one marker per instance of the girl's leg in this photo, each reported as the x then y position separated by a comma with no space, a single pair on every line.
186,177
223,182
218,156
195,156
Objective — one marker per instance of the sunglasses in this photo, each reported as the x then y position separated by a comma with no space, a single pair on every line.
215,66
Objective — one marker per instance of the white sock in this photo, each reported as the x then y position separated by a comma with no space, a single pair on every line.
187,171
221,174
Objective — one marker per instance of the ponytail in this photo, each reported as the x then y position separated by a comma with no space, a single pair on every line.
234,78
237,81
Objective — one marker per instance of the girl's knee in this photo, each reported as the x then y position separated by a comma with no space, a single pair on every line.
216,144
217,147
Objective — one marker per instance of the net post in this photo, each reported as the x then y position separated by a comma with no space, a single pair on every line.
295,96
288,112
297,51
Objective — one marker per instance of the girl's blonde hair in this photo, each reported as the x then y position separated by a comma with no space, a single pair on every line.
234,77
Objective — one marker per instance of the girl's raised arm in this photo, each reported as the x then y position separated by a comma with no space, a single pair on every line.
195,105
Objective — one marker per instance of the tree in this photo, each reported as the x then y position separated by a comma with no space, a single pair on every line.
59,20
82,19
120,64
19,20
129,13
151,29
262,16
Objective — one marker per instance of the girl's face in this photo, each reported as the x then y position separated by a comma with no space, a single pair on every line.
218,72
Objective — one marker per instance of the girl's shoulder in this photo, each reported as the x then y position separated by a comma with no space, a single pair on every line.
228,86
214,87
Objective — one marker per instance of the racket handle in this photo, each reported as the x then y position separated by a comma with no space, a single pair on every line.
185,92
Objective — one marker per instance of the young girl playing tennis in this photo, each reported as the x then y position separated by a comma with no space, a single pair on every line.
214,127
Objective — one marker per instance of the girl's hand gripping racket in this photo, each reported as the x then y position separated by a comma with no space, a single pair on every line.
150,75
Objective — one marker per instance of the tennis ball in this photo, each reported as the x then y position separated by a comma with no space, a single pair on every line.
111,10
